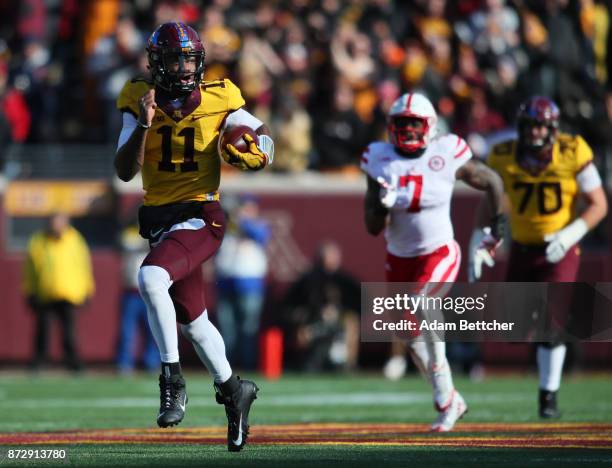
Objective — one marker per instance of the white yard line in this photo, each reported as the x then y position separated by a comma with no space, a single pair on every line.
310,399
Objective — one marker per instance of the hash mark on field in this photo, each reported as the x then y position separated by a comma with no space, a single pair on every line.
488,435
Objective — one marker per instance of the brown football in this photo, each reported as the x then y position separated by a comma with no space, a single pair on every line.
233,136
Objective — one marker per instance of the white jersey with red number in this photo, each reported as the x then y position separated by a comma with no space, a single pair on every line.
429,180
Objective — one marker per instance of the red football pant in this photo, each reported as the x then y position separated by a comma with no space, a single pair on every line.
528,263
439,266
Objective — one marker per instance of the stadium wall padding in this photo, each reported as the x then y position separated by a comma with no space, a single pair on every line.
301,222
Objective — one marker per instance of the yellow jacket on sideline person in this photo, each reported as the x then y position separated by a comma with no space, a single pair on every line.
59,268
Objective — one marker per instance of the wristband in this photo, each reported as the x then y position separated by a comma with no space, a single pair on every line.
266,145
498,226
141,125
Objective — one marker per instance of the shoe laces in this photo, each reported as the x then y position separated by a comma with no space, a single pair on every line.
169,392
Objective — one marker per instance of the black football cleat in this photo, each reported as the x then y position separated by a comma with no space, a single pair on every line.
173,399
548,405
237,407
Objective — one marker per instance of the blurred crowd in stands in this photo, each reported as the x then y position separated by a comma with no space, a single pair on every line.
322,72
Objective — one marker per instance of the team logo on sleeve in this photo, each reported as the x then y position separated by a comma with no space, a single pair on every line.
436,163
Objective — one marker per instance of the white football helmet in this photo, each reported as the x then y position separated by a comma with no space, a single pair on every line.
404,137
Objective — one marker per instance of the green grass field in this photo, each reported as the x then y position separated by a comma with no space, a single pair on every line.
360,420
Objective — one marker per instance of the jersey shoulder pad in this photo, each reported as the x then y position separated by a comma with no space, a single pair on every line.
374,156
143,79
568,143
503,148
127,101
501,153
451,147
575,150
221,96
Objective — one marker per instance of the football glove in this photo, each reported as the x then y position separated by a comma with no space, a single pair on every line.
390,196
482,250
561,241
252,160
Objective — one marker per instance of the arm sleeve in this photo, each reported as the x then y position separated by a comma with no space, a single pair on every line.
588,178
242,117
129,124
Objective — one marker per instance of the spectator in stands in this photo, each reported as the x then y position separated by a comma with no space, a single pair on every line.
38,78
476,119
468,75
116,58
221,42
321,314
14,110
504,88
291,127
494,29
242,265
133,318
315,50
257,67
340,135
58,278
352,56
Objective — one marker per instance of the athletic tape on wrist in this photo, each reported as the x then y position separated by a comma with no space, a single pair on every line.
266,144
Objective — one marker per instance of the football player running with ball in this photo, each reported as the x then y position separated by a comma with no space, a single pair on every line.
410,185
171,125
545,172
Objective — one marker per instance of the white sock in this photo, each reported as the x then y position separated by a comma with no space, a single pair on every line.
430,359
440,374
550,366
209,346
420,357
153,283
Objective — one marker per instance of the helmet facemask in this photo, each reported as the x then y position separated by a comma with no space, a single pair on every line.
183,70
408,133
529,132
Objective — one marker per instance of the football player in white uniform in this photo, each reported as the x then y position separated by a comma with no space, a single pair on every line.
410,185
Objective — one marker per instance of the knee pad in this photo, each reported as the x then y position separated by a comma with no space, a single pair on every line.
151,279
